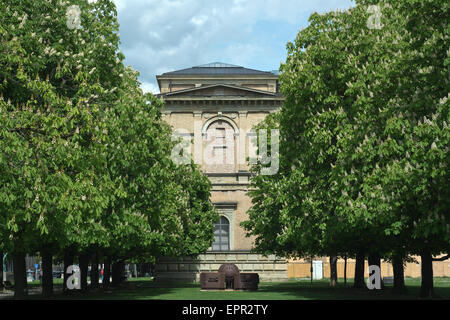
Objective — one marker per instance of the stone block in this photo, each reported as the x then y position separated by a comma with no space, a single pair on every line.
209,257
221,257
231,257
280,266
247,267
173,267
269,267
194,267
215,267
253,257
184,267
258,266
243,179
175,277
241,257
161,267
262,258
204,267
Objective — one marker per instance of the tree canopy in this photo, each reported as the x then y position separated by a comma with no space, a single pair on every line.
364,137
85,158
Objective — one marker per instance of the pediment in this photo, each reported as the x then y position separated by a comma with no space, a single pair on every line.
219,90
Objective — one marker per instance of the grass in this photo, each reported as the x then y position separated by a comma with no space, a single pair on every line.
146,289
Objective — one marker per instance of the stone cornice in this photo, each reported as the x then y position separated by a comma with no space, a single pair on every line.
223,98
224,108
225,105
182,93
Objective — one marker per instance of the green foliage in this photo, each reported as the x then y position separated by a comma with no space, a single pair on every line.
84,155
54,83
364,131
156,207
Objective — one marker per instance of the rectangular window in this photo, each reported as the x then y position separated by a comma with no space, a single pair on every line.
221,235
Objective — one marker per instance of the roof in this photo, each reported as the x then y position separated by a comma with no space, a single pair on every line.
217,68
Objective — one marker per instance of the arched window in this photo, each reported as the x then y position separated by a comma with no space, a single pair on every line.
221,235
219,152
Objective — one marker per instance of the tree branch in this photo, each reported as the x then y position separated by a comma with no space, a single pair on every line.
19,130
442,258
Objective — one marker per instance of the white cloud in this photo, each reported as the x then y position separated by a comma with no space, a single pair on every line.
164,35
199,20
149,87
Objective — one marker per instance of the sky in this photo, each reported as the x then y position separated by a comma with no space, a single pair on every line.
159,36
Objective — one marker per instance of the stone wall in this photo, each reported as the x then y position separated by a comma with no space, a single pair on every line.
239,241
187,269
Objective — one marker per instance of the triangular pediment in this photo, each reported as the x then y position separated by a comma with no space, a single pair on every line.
219,90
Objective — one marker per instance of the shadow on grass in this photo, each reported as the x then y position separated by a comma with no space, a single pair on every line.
146,289
320,290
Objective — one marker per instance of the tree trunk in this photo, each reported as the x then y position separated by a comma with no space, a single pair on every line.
84,262
68,261
94,272
47,274
399,275
426,289
20,276
139,269
345,270
333,271
374,259
1,270
359,270
107,273
118,270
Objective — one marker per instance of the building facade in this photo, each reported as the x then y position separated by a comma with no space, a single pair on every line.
215,106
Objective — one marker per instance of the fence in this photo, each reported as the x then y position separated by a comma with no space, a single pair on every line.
302,268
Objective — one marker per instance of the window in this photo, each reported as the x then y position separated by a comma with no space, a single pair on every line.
220,137
221,235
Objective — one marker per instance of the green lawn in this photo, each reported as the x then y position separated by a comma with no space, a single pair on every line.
145,289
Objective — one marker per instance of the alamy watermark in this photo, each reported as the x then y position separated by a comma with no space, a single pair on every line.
73,17
73,282
374,21
224,147
374,281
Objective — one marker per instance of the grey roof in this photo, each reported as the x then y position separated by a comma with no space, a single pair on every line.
218,68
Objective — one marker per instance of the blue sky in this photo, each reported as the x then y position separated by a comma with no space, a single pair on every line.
165,35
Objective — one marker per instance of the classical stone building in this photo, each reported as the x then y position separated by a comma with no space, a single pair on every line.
215,106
